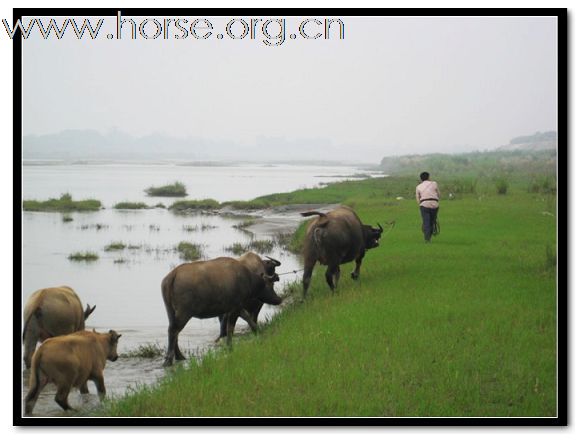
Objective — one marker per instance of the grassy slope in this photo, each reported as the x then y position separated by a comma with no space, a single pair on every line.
464,326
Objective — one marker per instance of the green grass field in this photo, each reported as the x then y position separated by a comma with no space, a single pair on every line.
464,326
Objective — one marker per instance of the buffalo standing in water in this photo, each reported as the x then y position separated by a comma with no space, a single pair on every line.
335,238
206,289
51,312
258,266
70,361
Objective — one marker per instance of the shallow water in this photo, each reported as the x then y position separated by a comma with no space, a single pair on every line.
115,182
125,285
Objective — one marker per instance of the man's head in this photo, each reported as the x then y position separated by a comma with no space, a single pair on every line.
424,176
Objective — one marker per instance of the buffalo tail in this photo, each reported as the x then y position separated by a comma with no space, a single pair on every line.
34,386
313,213
166,290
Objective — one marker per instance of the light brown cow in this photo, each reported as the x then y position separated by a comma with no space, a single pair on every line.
70,361
51,312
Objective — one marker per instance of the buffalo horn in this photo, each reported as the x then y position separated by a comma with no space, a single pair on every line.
380,227
274,261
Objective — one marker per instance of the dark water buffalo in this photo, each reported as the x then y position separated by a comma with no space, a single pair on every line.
335,238
51,312
206,289
259,266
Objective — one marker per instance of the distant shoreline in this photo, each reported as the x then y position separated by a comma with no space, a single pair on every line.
189,163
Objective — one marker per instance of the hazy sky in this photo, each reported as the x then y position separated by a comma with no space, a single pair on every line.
391,86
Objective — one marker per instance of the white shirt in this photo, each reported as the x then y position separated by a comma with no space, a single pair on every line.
428,190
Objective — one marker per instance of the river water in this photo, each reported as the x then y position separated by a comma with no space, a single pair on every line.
125,285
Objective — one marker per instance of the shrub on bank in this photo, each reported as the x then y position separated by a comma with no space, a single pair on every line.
175,189
63,204
246,205
501,185
83,256
185,205
189,251
126,205
115,246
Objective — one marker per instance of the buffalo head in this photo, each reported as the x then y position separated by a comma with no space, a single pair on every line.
266,293
372,236
113,339
270,265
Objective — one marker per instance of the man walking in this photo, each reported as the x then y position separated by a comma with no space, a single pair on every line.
427,194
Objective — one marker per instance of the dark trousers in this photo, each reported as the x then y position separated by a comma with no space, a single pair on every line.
429,221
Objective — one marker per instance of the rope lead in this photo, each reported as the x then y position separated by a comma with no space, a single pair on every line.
293,271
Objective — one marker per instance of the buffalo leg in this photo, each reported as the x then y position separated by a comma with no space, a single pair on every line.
61,397
355,274
99,381
178,354
30,401
231,327
171,339
172,346
33,394
180,325
223,327
256,312
336,277
224,320
307,276
84,388
248,318
331,272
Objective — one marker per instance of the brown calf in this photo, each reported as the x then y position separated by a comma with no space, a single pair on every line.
70,361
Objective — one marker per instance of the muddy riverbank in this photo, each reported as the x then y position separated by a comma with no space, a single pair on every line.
277,220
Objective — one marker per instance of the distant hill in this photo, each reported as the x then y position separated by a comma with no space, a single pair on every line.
91,144
538,141
74,145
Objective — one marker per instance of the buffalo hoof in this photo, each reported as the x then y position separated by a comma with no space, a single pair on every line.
354,276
